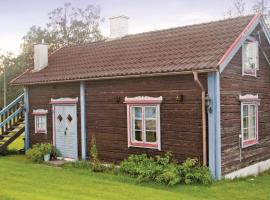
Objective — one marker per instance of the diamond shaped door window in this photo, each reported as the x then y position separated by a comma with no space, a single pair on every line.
69,118
60,118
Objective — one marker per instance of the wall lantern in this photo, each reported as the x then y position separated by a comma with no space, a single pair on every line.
208,102
179,98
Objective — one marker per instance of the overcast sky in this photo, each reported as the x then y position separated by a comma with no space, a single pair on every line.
17,16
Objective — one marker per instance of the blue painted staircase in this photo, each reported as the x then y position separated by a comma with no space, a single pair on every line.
11,122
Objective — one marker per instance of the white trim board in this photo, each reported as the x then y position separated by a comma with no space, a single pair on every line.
227,57
251,170
237,44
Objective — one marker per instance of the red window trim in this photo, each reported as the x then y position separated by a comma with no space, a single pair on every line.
40,113
143,102
249,142
64,101
252,141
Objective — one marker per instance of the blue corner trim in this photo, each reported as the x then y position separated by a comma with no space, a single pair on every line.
214,138
26,118
83,121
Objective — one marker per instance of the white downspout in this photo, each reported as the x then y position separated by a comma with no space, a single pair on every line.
196,79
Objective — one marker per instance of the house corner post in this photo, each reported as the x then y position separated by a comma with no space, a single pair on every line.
26,118
83,121
214,125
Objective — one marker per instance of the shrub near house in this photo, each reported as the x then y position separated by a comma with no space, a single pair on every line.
37,153
162,169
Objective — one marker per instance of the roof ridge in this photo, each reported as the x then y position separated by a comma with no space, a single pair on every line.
129,36
191,25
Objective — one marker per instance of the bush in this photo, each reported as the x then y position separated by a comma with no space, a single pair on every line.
96,165
93,151
7,152
37,152
160,169
163,170
191,173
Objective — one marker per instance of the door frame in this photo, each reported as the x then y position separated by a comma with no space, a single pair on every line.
64,102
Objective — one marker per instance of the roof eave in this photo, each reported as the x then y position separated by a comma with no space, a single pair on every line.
117,77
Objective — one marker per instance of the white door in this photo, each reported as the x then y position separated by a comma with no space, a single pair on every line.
65,119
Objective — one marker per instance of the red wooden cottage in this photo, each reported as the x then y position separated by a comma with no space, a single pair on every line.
199,91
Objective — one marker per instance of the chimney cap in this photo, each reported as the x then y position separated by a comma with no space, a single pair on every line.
119,16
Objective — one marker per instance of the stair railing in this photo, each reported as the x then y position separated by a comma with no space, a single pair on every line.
10,114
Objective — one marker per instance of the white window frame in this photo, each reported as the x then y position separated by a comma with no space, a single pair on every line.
244,73
143,102
249,100
40,113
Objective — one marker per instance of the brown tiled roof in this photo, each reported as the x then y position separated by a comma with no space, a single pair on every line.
195,47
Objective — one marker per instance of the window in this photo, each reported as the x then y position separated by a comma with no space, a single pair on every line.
249,122
144,122
250,58
40,121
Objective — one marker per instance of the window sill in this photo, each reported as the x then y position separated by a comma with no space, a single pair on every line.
40,132
250,75
144,145
249,143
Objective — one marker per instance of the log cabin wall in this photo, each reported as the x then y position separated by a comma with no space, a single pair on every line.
40,97
232,85
181,130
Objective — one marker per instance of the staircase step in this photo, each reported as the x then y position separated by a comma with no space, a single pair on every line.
5,135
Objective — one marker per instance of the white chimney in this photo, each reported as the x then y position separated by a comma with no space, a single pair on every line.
118,26
40,56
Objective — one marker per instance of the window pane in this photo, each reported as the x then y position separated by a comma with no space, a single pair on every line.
245,122
245,134
138,124
138,135
252,110
245,110
39,122
150,112
137,112
151,136
150,125
250,57
252,133
249,122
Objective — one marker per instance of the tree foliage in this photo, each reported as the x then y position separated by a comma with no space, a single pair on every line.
67,25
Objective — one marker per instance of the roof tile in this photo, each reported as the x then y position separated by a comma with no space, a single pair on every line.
195,47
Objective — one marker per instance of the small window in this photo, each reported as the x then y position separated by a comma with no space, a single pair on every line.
143,122
40,121
249,121
250,58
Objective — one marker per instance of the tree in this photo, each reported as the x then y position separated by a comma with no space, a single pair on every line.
66,26
34,35
10,62
239,6
260,6
69,25
238,9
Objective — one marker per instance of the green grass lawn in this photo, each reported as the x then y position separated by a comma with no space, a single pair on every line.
20,179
